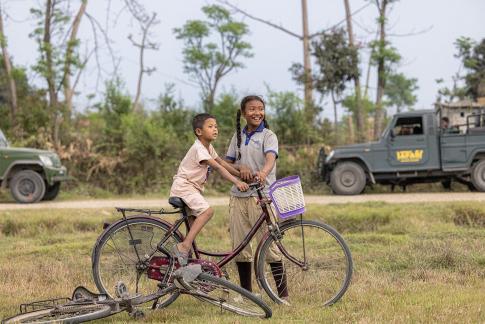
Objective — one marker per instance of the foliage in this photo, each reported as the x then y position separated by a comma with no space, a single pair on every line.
213,48
472,55
288,119
399,91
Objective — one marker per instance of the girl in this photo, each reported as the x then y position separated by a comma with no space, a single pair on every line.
253,151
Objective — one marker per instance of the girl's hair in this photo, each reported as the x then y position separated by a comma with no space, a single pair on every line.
244,101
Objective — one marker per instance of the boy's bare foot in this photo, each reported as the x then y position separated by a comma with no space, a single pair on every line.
181,254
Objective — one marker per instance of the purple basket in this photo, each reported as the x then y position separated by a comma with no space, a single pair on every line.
287,196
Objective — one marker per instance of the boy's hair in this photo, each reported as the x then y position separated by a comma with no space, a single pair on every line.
244,101
199,120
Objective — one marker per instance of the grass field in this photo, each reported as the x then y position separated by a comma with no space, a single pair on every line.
413,263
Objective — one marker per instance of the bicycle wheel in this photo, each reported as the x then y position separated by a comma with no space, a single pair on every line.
119,257
226,295
63,314
327,264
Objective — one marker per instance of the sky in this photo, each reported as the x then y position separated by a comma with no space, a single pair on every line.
428,54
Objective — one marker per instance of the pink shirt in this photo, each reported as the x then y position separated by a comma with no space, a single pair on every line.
191,174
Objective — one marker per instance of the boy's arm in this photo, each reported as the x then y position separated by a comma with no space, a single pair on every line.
231,168
242,186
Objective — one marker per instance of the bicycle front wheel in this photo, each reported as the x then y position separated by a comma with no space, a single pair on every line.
226,295
63,314
320,271
123,252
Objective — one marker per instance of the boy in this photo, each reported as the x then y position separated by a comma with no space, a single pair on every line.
191,176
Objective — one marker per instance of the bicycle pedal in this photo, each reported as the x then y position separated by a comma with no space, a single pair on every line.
137,314
121,290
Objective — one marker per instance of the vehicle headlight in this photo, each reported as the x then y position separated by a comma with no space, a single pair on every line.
46,160
329,156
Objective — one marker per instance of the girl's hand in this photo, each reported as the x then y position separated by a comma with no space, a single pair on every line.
261,176
242,186
245,173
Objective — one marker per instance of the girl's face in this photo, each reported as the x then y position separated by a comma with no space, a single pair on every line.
253,113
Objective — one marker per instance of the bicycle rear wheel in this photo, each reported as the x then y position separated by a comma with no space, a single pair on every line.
226,295
63,314
326,269
123,252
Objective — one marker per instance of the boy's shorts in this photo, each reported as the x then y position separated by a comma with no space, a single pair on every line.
196,203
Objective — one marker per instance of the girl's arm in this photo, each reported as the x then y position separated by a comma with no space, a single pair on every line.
231,168
270,160
242,186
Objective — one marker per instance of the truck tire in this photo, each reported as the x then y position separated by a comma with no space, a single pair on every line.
51,192
478,175
347,178
27,187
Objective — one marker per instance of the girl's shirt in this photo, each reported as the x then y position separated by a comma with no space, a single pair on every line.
191,174
254,147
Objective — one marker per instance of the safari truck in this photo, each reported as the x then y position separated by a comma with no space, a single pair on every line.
414,148
31,175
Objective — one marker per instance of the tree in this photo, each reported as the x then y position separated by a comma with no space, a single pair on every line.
337,66
208,59
359,113
399,91
472,55
12,87
383,56
58,56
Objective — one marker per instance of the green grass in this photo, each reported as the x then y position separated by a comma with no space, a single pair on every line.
413,263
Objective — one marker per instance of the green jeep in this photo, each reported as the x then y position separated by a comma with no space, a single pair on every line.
412,149
32,175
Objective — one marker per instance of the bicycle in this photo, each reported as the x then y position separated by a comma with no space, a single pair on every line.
86,306
316,263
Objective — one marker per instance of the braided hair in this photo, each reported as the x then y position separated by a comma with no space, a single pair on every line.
244,101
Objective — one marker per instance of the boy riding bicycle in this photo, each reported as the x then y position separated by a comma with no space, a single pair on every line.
188,183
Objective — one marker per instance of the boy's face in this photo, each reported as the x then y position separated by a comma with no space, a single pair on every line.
254,113
208,131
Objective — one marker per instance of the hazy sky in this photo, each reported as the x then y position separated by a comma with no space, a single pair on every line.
426,56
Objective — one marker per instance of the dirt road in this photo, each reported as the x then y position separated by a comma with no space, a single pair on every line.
221,201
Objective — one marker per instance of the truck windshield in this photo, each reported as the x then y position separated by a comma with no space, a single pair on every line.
3,140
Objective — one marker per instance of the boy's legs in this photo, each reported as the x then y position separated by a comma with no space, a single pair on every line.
195,228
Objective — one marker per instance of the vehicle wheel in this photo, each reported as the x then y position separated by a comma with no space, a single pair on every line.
348,178
229,296
478,175
325,270
51,192
27,186
75,313
116,258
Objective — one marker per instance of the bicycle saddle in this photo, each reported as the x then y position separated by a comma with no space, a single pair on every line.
176,202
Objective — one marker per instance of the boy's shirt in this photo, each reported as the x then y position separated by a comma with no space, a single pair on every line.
191,173
254,147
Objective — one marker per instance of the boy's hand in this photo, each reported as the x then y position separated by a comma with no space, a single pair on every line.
242,186
245,173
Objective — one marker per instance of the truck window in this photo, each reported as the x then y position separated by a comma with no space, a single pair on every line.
3,140
406,126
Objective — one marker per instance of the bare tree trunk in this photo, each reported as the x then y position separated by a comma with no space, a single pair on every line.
68,89
145,24
335,118
381,73
308,82
12,88
359,111
350,126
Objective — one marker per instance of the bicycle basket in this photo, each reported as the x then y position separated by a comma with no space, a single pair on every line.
287,196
